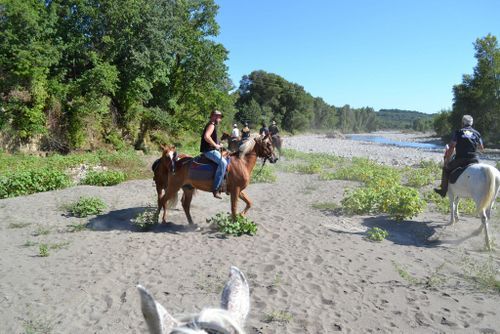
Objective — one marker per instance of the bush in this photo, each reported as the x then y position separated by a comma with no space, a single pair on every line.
87,206
398,201
26,182
104,178
226,225
376,234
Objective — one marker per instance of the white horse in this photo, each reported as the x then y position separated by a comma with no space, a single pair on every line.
481,182
229,319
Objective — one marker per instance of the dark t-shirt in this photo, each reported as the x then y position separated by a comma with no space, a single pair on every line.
468,140
204,145
273,129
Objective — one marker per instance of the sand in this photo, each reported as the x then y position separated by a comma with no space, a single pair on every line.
310,271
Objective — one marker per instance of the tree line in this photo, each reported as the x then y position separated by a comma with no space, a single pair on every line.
81,74
478,95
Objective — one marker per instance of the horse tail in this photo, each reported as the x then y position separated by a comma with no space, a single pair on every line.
490,192
172,203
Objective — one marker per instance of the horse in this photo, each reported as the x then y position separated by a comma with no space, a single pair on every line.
238,177
481,182
277,142
233,143
229,319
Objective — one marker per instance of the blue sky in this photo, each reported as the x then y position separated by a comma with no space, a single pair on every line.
375,53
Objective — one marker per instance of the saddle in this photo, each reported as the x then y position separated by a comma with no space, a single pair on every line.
455,174
201,168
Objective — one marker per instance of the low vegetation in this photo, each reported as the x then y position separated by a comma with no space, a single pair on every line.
267,174
225,224
278,316
376,234
146,219
86,206
103,178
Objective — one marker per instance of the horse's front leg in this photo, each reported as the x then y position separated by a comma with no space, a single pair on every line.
484,221
186,203
247,201
235,195
453,208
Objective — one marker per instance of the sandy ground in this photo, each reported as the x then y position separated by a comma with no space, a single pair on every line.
310,271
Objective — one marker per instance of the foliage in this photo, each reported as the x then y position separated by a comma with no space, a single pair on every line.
25,182
103,178
146,219
376,234
226,225
278,316
423,175
264,175
404,119
86,206
478,95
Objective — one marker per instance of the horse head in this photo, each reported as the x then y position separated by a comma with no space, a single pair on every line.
229,319
168,151
265,149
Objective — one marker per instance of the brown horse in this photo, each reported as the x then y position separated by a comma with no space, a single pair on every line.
233,144
239,172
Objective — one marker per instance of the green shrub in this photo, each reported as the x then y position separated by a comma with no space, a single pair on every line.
398,201
465,206
226,225
43,250
87,206
104,178
146,219
26,182
266,175
376,234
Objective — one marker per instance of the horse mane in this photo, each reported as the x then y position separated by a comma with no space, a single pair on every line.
214,320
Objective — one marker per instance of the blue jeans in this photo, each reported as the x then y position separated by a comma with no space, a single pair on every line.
216,157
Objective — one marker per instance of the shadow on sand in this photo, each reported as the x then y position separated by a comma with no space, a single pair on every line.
406,233
122,220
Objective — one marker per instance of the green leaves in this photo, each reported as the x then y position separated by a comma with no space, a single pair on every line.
86,206
225,224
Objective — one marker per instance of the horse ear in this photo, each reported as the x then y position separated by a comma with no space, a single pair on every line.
163,148
236,296
157,318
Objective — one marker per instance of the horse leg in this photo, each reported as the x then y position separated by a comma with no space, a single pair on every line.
247,201
455,214
453,207
235,194
484,221
186,202
170,195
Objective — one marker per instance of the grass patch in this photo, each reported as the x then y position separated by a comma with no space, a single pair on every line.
465,206
86,206
283,317
76,227
225,224
41,231
404,274
328,206
103,178
29,243
37,326
25,182
484,274
265,175
59,245
18,225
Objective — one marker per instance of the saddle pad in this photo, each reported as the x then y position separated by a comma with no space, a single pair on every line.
455,174
202,168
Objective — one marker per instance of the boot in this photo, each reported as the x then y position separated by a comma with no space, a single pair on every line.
216,194
444,184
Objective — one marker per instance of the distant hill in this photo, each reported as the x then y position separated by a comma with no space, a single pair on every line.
402,119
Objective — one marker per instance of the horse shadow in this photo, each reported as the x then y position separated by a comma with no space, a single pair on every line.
405,233
121,220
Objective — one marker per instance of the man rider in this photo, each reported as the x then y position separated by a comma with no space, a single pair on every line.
235,134
245,132
264,131
273,129
210,148
465,142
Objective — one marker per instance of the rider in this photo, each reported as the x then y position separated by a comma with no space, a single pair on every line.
245,132
465,142
210,148
273,129
264,130
235,134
